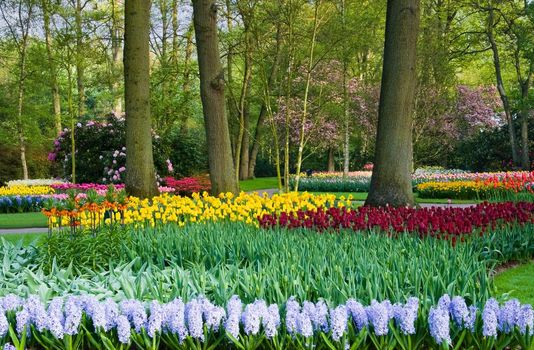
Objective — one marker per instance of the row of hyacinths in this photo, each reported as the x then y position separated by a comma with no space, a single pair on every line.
72,320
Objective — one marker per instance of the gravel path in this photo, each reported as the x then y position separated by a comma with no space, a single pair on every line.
11,231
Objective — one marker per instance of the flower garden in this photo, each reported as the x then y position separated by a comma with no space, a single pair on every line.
249,271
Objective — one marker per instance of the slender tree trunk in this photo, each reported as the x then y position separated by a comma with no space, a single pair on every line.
525,116
140,174
222,173
20,125
186,87
331,160
391,182
263,110
306,92
80,59
500,86
231,100
56,99
174,53
346,114
289,91
116,56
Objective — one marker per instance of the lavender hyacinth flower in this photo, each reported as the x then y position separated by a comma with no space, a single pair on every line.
124,331
338,322
37,312
459,311
406,315
439,323
252,316
111,311
135,311
155,320
507,316
271,321
213,315
193,317
73,316
9,346
489,318
292,314
357,313
304,325
233,312
4,324
11,302
525,320
23,319
175,318
378,316
56,317
444,302
321,316
96,311
469,323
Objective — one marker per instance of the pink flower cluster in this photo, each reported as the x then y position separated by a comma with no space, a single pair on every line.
84,187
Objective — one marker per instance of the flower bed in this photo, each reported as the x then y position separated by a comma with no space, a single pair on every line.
435,221
458,190
22,190
199,323
33,182
20,204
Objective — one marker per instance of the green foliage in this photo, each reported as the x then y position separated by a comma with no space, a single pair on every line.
187,152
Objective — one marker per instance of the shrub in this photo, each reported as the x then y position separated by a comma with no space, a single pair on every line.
189,185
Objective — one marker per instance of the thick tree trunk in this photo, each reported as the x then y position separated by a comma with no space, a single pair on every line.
222,173
80,59
56,99
331,161
500,86
140,174
260,130
391,182
116,57
186,87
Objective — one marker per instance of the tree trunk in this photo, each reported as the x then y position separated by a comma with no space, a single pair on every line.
245,146
79,59
525,116
500,86
222,174
56,99
258,135
391,182
306,91
331,161
232,103
140,174
346,115
116,57
186,87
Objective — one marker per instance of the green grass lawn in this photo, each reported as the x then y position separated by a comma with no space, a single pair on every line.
22,220
518,282
26,238
361,196
260,183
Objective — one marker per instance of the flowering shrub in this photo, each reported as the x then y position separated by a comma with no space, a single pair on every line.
100,152
189,185
368,167
435,221
199,323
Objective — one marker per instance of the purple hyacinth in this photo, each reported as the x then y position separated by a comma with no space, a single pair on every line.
469,323
124,331
357,313
175,318
213,315
439,323
23,320
4,324
111,311
135,311
9,346
271,321
56,317
304,325
96,311
37,312
406,315
11,302
252,316
338,322
292,314
320,320
525,320
508,315
193,317
155,320
489,318
444,302
459,311
233,316
73,316
378,316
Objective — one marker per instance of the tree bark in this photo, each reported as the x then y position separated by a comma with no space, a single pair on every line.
140,174
331,161
222,173
186,87
500,86
346,114
56,99
391,182
260,130
116,57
